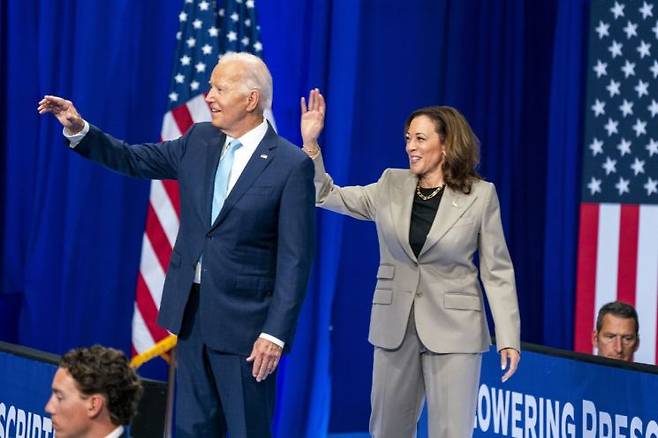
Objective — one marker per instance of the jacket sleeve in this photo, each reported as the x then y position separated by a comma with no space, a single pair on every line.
497,274
295,249
145,160
355,201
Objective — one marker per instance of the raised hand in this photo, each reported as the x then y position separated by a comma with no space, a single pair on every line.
312,120
64,111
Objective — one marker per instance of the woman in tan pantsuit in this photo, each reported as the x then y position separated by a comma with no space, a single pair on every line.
428,324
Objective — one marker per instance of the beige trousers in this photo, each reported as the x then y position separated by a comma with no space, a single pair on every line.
407,376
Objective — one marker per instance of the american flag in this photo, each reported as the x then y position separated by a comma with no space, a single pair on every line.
207,30
618,243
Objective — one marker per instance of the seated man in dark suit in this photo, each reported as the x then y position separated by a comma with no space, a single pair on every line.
617,331
95,393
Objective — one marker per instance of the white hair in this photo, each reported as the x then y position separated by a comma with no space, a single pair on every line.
257,76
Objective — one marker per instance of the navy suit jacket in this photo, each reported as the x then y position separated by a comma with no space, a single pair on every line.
256,255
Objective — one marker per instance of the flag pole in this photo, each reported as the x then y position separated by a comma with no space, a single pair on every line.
171,391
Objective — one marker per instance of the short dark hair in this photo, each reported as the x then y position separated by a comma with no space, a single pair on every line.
620,310
105,371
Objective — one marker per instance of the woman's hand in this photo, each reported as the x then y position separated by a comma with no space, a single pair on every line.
312,121
64,111
509,359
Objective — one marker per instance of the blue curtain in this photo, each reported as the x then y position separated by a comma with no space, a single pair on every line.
563,171
71,232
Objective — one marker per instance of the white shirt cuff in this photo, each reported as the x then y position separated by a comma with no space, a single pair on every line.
74,139
271,338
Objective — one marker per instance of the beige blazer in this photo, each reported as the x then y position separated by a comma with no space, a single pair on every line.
442,283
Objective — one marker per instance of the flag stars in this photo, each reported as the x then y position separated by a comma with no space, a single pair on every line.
644,49
611,127
200,67
182,17
221,12
194,85
203,6
179,78
235,17
624,147
185,60
232,36
245,41
628,69
646,10
652,147
213,31
610,166
651,186
247,22
622,186
642,88
197,23
615,49
250,4
173,96
600,68
637,166
179,34
206,49
654,69
594,186
258,46
613,87
630,30
640,127
655,29
191,42
602,29
617,10
598,108
653,108
626,108
596,146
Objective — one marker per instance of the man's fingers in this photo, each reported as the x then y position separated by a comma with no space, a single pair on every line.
255,369
303,104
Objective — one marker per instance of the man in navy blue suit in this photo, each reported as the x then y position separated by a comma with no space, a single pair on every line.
239,268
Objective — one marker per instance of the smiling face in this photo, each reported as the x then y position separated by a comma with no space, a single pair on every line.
425,150
68,408
232,105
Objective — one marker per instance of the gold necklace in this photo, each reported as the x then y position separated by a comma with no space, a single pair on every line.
431,195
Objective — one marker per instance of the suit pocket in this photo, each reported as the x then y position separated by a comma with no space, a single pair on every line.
382,296
462,302
259,190
386,272
254,283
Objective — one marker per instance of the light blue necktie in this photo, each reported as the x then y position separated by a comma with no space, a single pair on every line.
221,178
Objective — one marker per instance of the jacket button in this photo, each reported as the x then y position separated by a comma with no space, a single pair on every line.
419,294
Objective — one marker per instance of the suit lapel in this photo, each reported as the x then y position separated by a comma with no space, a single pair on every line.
402,198
453,205
214,146
260,159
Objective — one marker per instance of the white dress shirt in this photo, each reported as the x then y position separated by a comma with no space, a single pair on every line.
116,433
250,141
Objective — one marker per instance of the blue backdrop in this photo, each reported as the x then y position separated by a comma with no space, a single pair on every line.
71,232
